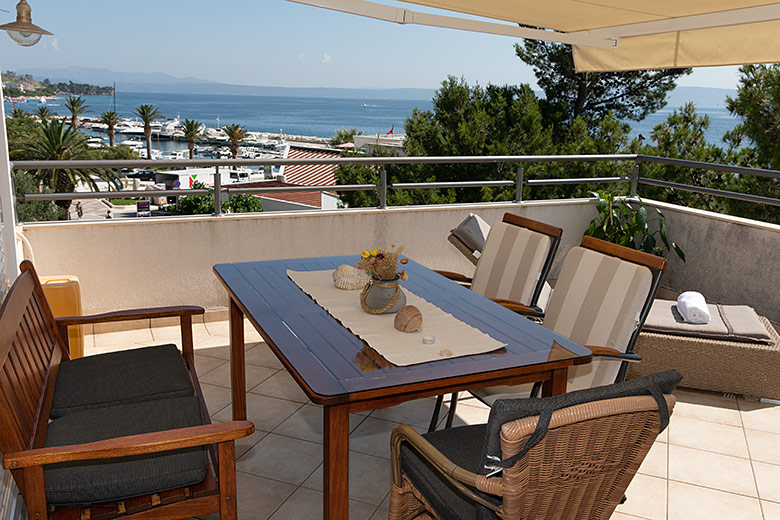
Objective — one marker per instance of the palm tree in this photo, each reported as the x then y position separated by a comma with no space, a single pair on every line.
20,113
148,113
110,119
235,134
55,141
76,107
44,113
193,131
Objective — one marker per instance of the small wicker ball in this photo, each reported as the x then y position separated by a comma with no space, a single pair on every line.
408,319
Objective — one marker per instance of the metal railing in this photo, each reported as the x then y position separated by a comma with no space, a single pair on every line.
635,179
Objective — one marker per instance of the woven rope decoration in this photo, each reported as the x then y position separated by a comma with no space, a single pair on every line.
364,294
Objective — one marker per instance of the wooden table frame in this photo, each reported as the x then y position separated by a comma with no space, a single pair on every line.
336,408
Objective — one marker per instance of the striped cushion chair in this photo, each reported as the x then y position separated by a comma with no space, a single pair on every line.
515,261
511,271
601,299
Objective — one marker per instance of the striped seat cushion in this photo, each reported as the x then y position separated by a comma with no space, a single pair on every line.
511,263
597,302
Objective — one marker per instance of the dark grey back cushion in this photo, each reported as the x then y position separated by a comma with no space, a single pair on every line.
105,480
123,377
506,410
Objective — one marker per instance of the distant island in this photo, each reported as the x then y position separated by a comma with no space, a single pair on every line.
18,85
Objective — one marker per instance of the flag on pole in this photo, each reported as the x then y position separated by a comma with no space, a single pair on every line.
391,130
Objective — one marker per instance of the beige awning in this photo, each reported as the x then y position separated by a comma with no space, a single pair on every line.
610,34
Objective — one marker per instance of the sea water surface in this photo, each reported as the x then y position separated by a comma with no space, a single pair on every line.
312,116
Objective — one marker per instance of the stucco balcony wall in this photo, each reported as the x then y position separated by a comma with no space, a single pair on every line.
141,263
134,263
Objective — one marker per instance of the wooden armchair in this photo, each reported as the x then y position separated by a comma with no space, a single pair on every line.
115,435
565,457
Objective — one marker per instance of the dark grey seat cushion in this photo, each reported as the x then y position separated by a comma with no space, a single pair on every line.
121,377
91,482
462,446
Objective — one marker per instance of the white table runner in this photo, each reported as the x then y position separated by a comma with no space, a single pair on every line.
453,338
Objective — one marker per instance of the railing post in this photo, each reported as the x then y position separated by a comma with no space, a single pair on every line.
634,178
519,194
382,187
217,193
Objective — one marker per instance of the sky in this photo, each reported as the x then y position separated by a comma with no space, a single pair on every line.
270,42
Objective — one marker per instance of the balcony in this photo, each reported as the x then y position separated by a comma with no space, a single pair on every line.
716,460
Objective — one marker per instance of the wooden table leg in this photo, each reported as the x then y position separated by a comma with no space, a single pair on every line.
237,364
556,385
336,462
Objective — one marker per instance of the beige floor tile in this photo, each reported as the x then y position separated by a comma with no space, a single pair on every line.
713,470
216,397
307,503
259,497
709,436
306,424
687,502
212,341
621,516
173,333
128,337
416,413
381,511
767,480
245,443
221,350
254,375
763,446
89,343
465,415
645,497
221,328
760,416
655,463
372,437
282,458
707,406
266,412
281,385
250,333
771,510
370,478
205,364
262,355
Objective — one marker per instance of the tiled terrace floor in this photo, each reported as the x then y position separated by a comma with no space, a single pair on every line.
719,458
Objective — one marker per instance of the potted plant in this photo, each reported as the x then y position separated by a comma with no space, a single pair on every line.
383,293
621,223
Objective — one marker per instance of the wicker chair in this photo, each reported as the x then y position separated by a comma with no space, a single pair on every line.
566,461
511,271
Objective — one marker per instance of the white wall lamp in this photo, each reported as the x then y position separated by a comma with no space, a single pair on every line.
23,32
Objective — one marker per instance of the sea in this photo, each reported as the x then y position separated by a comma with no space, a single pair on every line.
312,116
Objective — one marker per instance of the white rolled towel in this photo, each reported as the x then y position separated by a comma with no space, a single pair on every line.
693,308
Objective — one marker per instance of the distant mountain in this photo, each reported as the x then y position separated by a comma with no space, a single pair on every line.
161,82
107,77
702,97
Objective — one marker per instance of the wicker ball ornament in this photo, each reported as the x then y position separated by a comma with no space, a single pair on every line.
408,319
349,278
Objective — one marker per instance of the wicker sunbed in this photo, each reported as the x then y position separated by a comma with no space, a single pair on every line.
736,367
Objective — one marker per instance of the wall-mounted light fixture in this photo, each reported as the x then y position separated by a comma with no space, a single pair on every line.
23,31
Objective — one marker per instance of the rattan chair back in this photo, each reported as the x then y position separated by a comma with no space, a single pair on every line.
583,465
